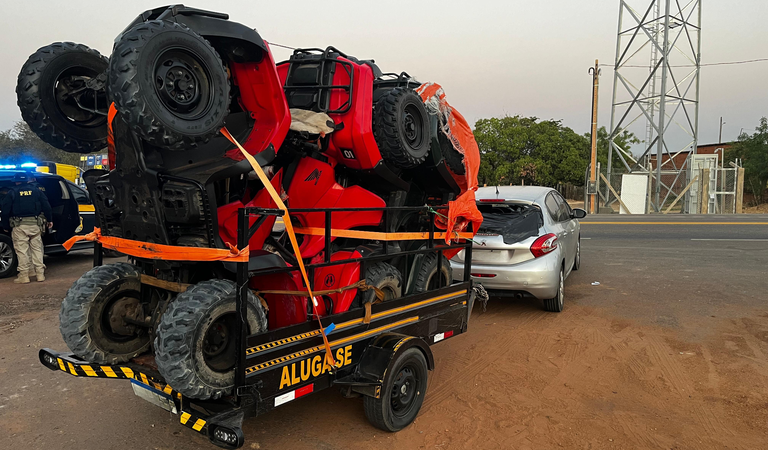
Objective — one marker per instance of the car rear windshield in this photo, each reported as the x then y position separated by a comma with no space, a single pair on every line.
514,222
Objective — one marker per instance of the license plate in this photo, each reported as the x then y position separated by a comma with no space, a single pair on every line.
152,395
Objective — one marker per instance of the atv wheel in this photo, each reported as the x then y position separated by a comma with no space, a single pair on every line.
453,158
195,347
427,277
92,317
169,84
385,277
62,96
401,128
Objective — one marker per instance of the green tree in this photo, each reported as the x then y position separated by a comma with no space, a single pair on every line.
523,149
752,150
20,144
625,140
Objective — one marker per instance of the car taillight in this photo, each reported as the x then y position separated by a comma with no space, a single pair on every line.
544,245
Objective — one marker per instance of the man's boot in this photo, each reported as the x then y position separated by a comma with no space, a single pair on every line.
23,278
40,274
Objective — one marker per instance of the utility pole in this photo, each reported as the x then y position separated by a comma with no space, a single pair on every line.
595,71
720,138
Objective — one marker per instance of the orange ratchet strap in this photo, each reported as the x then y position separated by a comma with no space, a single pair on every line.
291,235
159,251
380,236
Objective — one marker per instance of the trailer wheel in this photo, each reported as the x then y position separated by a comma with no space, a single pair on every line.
402,392
427,278
195,347
92,317
401,128
385,277
169,84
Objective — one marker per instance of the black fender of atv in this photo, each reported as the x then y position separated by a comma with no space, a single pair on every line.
232,40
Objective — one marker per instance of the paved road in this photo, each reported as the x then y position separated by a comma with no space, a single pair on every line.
670,350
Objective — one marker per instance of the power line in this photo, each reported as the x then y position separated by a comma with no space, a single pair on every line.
281,45
729,63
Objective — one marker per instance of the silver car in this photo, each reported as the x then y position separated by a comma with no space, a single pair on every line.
528,244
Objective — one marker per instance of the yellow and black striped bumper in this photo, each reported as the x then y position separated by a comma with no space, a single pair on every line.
67,362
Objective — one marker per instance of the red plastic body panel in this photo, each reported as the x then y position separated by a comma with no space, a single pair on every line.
333,277
314,186
227,216
284,310
261,94
357,134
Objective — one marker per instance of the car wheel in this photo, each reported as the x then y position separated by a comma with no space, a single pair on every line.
577,260
8,260
556,304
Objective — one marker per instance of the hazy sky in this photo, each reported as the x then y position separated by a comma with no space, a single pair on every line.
493,57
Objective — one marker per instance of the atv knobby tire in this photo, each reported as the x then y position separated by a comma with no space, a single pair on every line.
169,84
426,275
385,277
453,158
401,128
51,90
84,319
185,351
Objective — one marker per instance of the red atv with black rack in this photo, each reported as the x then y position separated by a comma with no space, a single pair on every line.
223,311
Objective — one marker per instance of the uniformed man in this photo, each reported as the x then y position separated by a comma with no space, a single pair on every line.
26,209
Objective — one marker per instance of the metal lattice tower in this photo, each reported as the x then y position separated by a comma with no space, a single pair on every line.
665,96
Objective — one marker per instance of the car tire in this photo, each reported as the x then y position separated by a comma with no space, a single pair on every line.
8,259
195,347
169,84
386,277
556,304
50,89
577,259
401,128
402,392
91,304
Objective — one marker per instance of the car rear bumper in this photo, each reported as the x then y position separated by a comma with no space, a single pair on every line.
539,277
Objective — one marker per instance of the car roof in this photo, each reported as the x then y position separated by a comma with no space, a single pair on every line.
533,194
8,174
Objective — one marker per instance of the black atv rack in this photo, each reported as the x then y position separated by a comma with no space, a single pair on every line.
278,366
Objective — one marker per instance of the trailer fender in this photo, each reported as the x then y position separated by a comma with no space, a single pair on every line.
376,360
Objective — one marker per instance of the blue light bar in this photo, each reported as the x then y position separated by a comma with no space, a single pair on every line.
29,165
8,166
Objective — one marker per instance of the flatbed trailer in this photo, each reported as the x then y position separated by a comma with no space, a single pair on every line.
383,355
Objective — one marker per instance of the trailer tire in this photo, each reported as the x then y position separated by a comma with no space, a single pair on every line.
453,158
195,347
385,277
402,392
401,128
85,322
426,277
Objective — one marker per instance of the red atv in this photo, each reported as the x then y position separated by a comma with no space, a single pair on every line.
330,130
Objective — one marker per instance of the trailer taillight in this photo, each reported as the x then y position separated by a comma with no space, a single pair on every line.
544,245
227,437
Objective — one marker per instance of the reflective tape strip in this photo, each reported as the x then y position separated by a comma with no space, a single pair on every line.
89,371
439,337
61,364
168,389
198,425
288,396
127,372
144,379
108,370
185,417
72,368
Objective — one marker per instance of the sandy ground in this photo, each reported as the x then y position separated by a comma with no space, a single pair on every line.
657,356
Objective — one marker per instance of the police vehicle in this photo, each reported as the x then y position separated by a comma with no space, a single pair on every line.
73,213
